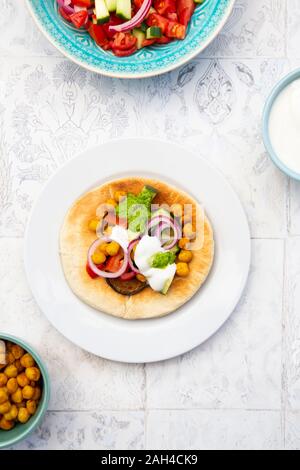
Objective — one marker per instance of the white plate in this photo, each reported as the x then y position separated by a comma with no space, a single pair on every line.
141,340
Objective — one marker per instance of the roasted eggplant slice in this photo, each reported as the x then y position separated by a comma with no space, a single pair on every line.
131,287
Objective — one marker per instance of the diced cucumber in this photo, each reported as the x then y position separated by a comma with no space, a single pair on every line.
101,11
124,9
199,1
111,5
153,32
144,27
140,36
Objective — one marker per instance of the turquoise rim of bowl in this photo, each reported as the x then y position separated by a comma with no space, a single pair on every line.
287,80
22,431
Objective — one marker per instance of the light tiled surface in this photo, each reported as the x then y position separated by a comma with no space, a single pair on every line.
241,389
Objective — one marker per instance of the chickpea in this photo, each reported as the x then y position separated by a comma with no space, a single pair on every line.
37,394
98,257
17,351
12,385
23,415
5,424
17,397
19,365
5,407
177,210
111,203
12,413
3,379
11,371
119,195
33,373
31,406
28,392
113,248
33,384
183,242
10,358
3,395
23,380
27,360
141,278
103,247
185,256
188,231
93,224
182,269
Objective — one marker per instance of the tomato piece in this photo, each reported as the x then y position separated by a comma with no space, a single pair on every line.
128,276
64,14
172,17
148,42
175,30
114,263
138,3
185,9
165,6
124,41
157,20
91,272
113,21
79,18
124,53
163,40
98,34
82,3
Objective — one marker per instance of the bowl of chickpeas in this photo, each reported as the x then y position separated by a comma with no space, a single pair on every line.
24,390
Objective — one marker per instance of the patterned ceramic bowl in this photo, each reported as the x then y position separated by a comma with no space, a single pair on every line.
207,21
21,431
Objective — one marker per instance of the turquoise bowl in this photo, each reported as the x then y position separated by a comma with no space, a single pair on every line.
21,431
266,117
207,21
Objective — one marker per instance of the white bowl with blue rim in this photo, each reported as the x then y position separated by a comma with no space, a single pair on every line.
277,90
207,21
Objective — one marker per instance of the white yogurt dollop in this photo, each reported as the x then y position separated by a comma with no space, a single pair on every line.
157,278
284,126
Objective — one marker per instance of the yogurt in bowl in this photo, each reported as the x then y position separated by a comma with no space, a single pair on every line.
281,125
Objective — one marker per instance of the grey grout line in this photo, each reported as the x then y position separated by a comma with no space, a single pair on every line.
183,410
283,343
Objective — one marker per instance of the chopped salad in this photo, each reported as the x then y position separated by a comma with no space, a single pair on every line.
125,26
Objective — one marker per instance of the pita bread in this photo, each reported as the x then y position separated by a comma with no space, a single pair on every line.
75,239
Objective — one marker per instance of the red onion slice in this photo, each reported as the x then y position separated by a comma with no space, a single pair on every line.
65,4
135,21
98,271
130,248
166,222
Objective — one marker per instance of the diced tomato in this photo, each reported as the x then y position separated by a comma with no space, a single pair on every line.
165,6
157,20
172,17
175,30
98,34
148,42
124,41
163,40
91,272
128,276
113,21
64,14
185,9
82,3
79,18
114,263
138,3
124,53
